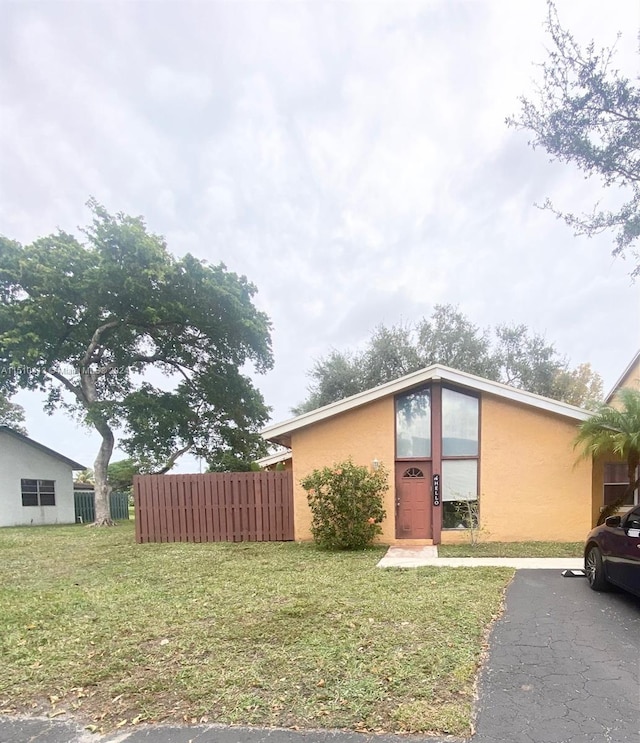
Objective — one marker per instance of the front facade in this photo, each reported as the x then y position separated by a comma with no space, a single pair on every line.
460,450
36,483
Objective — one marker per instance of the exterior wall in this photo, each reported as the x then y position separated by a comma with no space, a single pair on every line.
18,460
364,434
532,487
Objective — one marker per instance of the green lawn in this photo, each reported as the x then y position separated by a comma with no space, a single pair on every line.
94,625
512,549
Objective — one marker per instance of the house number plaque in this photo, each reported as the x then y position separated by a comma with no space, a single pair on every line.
436,490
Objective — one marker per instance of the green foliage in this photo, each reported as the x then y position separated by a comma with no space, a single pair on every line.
120,474
84,320
85,476
230,461
614,431
588,114
346,501
12,415
510,354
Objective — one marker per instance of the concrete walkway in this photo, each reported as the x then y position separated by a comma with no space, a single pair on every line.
417,557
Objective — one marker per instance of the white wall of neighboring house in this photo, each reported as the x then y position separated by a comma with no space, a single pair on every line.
20,460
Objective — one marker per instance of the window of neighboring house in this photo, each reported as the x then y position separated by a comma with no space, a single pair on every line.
460,447
38,492
413,425
616,480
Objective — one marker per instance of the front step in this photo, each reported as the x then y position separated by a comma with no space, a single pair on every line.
413,543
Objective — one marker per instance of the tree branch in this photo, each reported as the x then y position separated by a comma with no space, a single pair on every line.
73,388
95,339
172,459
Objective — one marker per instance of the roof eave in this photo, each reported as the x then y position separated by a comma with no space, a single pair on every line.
281,432
43,448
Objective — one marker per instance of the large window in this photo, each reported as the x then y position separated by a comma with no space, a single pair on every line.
459,460
459,493
459,424
413,425
38,492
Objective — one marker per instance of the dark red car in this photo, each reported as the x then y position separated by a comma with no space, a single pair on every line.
612,553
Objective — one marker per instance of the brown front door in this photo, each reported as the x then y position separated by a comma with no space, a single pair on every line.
413,500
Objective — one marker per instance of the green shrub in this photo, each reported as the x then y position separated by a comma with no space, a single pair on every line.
346,503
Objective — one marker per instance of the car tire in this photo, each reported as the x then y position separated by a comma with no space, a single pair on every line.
594,569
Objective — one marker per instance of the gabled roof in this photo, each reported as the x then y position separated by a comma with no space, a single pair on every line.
634,362
281,432
271,459
42,448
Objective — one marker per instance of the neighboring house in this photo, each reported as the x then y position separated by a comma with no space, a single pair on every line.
36,483
278,460
454,445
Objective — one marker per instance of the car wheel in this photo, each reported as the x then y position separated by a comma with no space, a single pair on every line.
594,569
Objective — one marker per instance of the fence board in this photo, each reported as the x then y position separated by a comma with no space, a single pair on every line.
215,507
85,506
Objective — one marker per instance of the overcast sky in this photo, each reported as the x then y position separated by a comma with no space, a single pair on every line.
350,158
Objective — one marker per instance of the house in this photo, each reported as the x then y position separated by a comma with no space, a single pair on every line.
457,448
36,483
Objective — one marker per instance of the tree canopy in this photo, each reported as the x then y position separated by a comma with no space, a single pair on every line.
586,112
12,415
87,320
509,354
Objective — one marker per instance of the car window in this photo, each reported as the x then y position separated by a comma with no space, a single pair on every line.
632,522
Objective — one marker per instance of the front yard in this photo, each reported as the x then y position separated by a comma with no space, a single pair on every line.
115,633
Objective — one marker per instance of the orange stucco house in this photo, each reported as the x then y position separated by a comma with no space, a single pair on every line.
455,444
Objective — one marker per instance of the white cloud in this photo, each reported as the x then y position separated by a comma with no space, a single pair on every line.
350,158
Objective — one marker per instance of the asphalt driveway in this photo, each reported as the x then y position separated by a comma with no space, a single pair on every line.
563,667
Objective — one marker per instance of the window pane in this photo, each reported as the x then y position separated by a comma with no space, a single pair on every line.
459,479
616,472
413,425
29,486
29,499
613,492
459,514
459,424
47,492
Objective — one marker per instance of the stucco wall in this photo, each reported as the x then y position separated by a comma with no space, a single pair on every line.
364,434
531,486
20,460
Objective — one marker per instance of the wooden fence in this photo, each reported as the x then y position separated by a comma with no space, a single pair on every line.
216,507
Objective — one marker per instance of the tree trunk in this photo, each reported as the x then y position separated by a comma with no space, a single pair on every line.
102,488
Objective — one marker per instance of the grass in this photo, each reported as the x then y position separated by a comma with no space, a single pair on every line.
512,549
276,634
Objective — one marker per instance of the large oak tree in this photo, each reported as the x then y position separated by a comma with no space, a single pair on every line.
86,320
510,353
